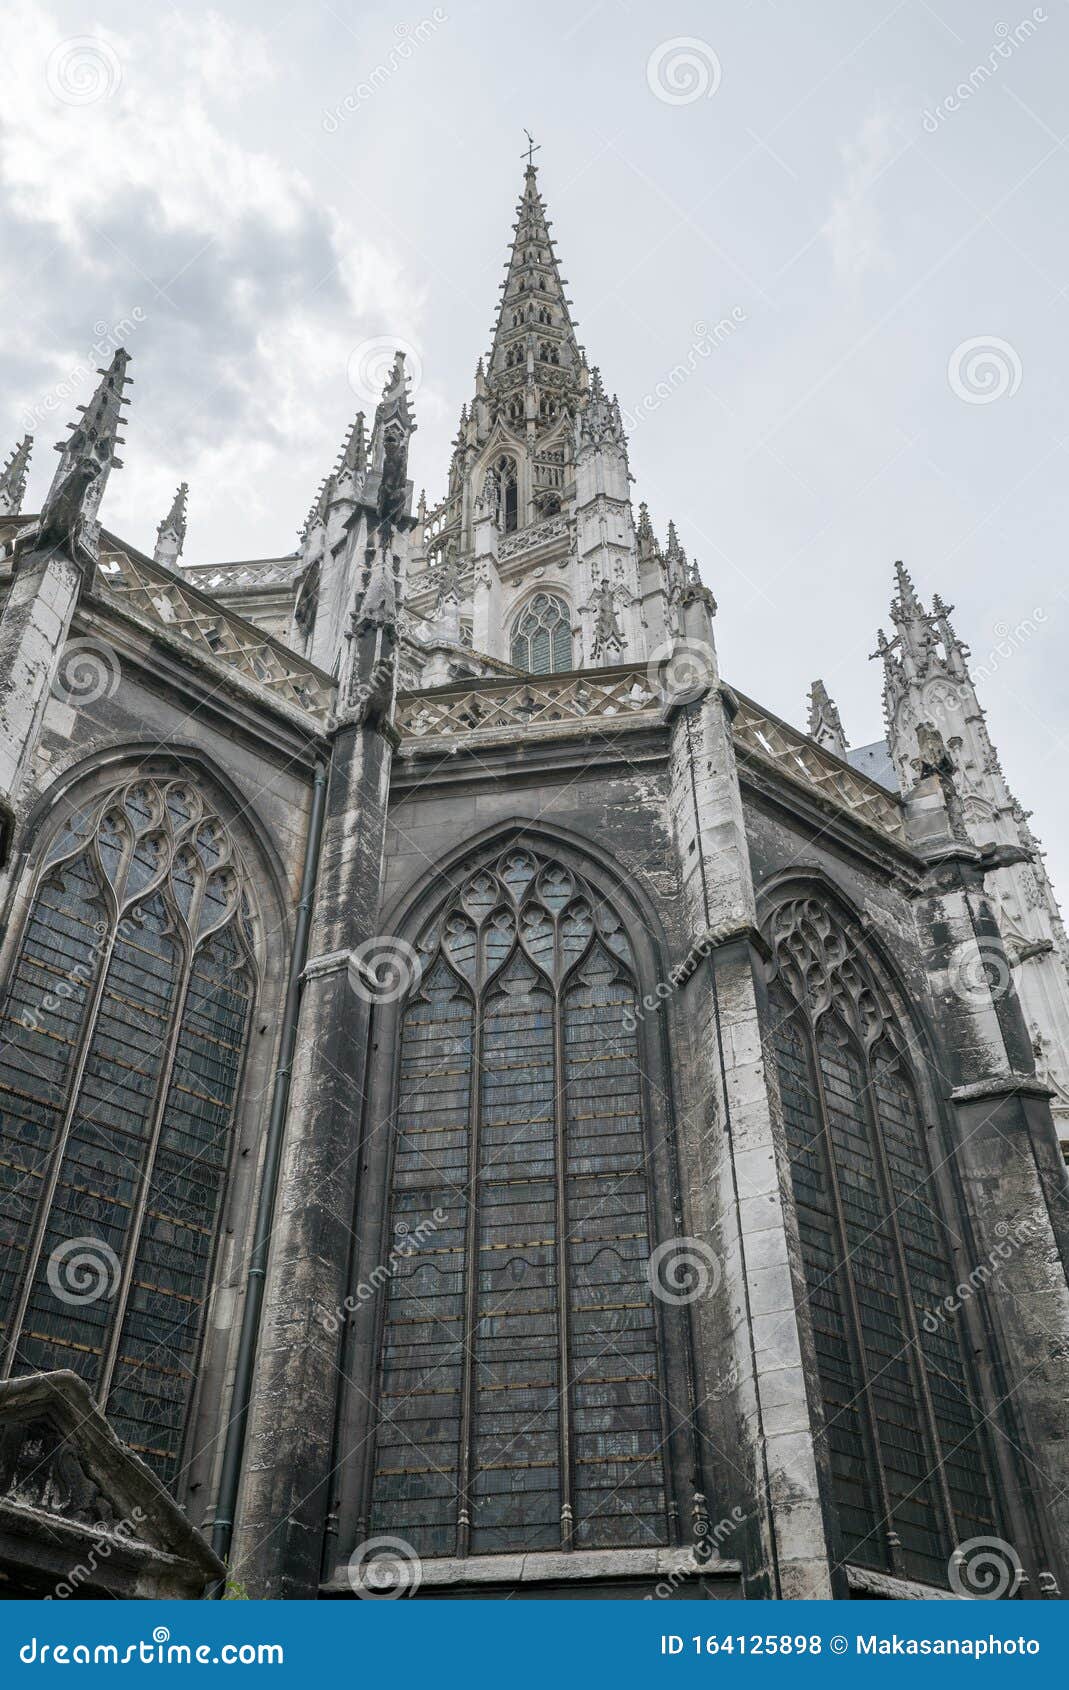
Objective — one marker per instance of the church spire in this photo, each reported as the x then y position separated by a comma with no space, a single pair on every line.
13,478
534,323
171,534
825,723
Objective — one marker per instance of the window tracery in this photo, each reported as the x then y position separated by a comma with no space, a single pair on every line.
520,1404
907,1452
121,1044
542,636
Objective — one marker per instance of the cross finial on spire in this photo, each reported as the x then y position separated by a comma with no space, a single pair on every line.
531,149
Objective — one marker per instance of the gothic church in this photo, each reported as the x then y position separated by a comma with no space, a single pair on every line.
486,1108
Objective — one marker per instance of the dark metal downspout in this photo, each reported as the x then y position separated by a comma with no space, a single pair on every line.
233,1453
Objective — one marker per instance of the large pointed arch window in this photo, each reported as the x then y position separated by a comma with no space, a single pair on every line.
542,636
122,1035
906,1447
521,1401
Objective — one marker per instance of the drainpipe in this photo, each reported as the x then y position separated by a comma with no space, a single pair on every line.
223,1528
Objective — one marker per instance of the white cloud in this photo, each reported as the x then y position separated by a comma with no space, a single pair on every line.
253,296
853,228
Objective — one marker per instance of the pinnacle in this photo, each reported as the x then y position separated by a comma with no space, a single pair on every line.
907,596
13,477
101,416
177,516
94,437
825,724
171,533
353,456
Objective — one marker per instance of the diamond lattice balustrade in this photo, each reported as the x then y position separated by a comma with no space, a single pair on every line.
525,706
163,598
483,712
794,754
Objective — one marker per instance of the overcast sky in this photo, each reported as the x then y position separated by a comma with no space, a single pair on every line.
256,197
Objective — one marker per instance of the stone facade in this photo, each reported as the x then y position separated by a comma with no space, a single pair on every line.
742,1054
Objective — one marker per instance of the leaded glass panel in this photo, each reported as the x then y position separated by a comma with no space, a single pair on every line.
124,1028
909,1461
542,636
521,1394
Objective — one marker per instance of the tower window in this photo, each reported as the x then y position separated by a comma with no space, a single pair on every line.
521,1378
504,483
542,636
122,1038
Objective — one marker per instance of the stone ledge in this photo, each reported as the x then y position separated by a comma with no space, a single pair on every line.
865,1582
557,1565
331,962
1002,1085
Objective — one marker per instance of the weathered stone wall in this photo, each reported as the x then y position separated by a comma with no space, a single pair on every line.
995,1149
119,709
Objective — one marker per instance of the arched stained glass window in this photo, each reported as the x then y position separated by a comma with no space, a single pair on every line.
121,1042
521,1396
908,1457
542,636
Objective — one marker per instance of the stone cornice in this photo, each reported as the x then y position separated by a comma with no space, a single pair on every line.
1001,1085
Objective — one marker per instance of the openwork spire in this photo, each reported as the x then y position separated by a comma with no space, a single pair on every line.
534,311
171,534
13,478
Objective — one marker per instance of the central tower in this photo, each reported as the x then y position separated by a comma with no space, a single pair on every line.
532,559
